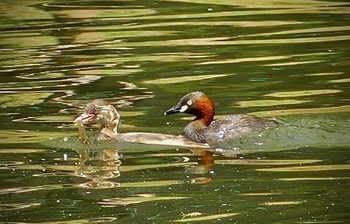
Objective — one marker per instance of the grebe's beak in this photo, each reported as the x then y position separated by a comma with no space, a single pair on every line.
178,108
85,118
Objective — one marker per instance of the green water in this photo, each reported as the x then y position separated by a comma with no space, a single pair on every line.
282,59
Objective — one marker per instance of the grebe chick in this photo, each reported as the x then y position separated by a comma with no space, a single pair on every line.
203,129
107,117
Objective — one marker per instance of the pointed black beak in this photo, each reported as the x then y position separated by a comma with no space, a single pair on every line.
175,109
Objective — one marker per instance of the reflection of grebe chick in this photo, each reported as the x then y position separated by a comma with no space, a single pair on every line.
202,129
107,117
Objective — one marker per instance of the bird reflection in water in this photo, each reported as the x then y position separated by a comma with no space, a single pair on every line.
100,176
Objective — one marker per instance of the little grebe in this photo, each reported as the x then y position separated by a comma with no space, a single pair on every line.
203,130
104,114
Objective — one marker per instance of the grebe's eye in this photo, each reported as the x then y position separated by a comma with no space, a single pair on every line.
189,102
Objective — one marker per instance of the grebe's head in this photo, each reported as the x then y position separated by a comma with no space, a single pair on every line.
196,103
100,112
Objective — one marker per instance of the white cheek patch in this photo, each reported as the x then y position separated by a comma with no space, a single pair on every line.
183,108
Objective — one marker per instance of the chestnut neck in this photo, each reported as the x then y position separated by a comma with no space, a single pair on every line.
204,111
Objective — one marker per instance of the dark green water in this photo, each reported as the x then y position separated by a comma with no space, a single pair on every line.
282,59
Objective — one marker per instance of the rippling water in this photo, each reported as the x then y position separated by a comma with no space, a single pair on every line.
283,59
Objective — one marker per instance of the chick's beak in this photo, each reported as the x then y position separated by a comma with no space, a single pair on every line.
175,109
84,118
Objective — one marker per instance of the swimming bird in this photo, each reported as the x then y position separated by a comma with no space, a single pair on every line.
204,130
107,117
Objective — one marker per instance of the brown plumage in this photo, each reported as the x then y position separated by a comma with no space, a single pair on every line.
203,129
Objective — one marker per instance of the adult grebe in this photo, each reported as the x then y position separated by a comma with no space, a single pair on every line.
203,129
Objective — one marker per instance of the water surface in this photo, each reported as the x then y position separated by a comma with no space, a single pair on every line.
281,59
